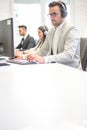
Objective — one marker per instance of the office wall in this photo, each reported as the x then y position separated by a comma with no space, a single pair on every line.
26,1
6,9
78,11
29,1
79,14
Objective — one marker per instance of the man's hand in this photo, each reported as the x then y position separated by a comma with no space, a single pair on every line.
35,58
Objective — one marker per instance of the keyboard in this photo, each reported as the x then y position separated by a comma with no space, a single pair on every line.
4,64
21,62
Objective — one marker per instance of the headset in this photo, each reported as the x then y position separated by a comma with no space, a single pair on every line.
44,29
63,8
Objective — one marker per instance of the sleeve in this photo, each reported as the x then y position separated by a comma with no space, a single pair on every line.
19,46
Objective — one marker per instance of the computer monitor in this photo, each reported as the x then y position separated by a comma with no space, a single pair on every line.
6,38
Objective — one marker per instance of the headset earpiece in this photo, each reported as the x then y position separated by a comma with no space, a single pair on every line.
63,9
45,30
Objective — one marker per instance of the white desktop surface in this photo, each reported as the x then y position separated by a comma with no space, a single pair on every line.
42,97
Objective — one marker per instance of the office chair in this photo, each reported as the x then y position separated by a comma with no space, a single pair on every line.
83,52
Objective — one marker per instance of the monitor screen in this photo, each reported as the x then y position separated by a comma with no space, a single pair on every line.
6,38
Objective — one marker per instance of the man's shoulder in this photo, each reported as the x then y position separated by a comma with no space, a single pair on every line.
69,26
71,29
29,36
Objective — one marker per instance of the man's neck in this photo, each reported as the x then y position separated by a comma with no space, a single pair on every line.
59,25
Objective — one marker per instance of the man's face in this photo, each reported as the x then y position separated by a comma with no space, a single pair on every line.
55,16
22,31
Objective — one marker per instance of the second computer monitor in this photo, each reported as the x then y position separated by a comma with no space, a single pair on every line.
6,38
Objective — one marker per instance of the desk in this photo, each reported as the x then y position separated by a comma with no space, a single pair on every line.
42,97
